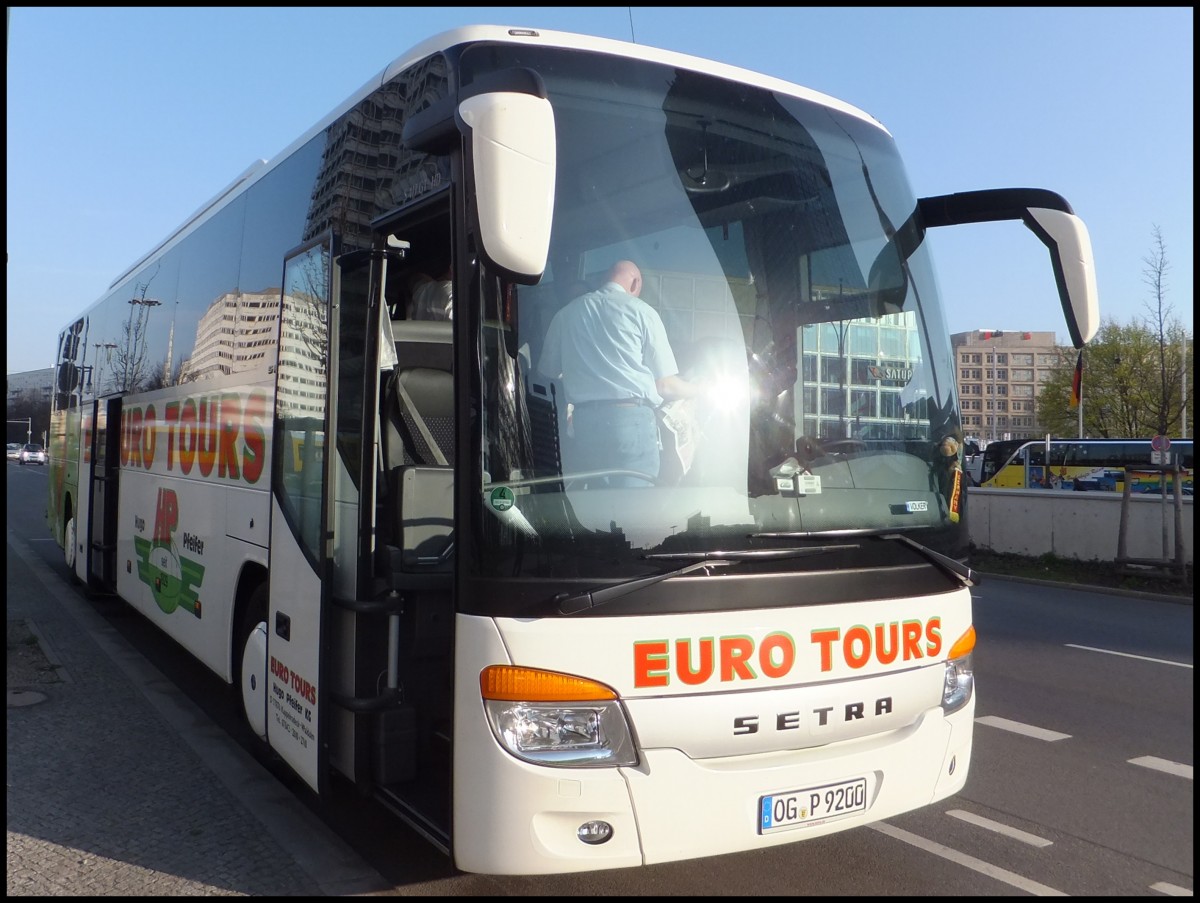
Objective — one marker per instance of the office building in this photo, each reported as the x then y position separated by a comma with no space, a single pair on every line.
999,375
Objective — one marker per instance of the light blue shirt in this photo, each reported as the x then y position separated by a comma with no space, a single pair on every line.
608,345
432,299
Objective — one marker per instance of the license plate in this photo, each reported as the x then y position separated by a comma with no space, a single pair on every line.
796,808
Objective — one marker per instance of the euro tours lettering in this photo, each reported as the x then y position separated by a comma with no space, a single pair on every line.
220,436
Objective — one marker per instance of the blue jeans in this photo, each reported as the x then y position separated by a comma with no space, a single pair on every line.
614,437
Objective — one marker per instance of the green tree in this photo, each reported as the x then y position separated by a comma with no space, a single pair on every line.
1122,388
1136,380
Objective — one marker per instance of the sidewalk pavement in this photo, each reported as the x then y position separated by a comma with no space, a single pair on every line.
118,784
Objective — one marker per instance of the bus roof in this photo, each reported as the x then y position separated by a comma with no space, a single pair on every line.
471,34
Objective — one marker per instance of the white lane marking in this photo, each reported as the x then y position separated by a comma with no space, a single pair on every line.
1171,890
1144,658
1038,733
978,865
1015,833
1184,771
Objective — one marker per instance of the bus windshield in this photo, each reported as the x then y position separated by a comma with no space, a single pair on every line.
778,241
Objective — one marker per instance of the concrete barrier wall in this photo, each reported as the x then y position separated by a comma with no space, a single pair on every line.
1082,525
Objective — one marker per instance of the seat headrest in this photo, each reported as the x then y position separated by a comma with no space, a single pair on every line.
424,343
431,390
440,332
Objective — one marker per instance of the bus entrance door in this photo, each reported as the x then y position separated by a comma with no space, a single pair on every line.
290,665
102,520
389,555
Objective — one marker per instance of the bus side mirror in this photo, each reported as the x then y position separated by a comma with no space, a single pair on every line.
512,157
1070,246
1052,220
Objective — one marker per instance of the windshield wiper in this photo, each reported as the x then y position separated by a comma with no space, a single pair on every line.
951,566
574,603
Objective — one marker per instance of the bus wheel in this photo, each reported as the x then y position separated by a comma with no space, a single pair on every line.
69,549
250,657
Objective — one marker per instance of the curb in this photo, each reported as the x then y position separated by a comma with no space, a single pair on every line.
1106,590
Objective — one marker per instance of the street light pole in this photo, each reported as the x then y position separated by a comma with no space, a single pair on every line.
99,365
28,428
135,340
1183,388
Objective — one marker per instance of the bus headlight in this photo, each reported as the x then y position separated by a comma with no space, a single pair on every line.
959,683
566,736
556,719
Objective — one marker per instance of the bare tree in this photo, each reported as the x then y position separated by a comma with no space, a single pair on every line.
1166,407
1134,375
131,358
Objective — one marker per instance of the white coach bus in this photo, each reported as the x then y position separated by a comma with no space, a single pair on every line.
370,525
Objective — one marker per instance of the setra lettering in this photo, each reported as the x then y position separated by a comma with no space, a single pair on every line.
794,720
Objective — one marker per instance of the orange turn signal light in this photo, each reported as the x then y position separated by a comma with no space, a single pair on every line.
964,644
509,683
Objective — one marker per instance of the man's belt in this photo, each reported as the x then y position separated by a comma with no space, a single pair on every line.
616,402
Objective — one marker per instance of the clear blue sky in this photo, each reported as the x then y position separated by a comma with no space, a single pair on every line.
121,122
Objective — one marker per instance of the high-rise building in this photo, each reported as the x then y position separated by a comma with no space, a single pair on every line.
36,384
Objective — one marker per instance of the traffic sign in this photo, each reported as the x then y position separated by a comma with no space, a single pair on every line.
1160,443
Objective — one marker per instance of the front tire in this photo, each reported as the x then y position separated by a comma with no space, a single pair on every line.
70,551
250,663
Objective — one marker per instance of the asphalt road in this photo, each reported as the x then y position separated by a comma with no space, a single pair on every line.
1080,782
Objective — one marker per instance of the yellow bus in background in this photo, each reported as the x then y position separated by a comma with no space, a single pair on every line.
1081,465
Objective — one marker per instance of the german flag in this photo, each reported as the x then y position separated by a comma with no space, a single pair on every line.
1077,381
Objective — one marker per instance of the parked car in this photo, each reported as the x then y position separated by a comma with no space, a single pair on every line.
14,451
32,453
